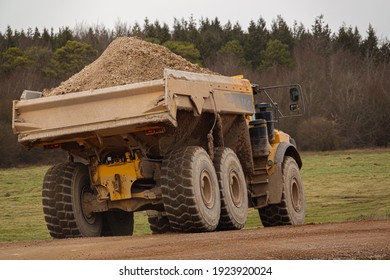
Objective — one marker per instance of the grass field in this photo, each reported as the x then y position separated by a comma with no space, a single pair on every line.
339,186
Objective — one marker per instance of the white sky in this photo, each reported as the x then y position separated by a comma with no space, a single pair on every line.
59,13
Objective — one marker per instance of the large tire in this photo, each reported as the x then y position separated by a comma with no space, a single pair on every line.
292,209
64,188
158,222
118,223
190,191
233,190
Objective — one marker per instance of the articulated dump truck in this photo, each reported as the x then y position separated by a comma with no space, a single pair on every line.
192,150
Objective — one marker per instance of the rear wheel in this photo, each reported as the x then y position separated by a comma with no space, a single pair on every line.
292,209
233,190
190,192
66,190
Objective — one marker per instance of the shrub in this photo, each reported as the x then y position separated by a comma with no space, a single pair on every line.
318,134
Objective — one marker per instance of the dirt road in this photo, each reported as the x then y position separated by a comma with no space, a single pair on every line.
351,240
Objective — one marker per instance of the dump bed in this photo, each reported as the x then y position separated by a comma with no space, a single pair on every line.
128,108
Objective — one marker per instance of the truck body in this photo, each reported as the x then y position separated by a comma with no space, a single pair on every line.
193,150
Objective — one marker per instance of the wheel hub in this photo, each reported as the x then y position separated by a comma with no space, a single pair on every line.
206,189
235,189
295,195
86,198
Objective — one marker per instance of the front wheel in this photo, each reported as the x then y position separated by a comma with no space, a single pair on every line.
292,209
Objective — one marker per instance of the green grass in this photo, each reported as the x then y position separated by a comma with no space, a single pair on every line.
21,216
345,186
339,186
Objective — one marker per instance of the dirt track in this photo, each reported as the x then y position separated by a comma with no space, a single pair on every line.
352,240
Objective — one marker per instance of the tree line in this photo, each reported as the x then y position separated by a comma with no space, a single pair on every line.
344,73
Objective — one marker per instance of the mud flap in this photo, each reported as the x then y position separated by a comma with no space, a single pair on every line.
275,185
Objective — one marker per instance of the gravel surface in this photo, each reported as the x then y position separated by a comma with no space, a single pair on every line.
349,240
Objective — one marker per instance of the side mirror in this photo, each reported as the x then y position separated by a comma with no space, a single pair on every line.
294,94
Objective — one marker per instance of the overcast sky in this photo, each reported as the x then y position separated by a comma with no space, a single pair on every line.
21,14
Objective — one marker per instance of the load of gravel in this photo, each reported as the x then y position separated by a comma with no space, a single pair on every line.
126,60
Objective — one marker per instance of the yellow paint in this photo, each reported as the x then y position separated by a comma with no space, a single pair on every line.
271,157
280,137
126,172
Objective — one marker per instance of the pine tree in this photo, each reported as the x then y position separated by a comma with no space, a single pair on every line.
255,42
9,38
348,39
37,34
280,31
210,37
321,36
370,44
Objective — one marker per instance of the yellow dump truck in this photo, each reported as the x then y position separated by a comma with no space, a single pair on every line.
193,150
